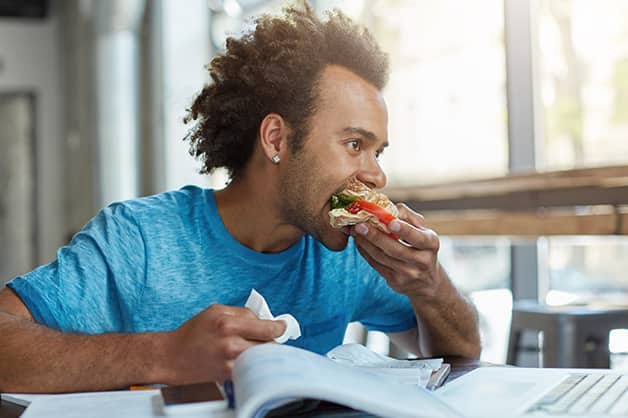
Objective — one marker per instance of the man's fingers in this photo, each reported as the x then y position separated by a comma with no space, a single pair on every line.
410,216
379,267
231,320
417,239
262,329
413,229
417,236
279,328
231,311
392,263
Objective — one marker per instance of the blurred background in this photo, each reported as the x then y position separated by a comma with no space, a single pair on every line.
93,93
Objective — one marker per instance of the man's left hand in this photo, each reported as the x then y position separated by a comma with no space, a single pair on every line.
411,267
447,323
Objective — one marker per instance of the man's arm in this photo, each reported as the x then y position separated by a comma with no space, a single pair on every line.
36,359
448,325
447,321
443,328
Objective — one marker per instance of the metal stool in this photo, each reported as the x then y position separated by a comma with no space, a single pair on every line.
573,336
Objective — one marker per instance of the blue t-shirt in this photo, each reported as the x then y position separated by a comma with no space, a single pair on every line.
150,264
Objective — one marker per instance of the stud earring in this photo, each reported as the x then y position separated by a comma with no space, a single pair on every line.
276,159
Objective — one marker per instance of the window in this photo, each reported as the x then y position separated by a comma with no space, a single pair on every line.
581,71
582,74
581,77
587,269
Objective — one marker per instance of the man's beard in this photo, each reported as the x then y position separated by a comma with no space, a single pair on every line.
300,207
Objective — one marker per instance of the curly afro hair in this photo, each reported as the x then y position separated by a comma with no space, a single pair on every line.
274,68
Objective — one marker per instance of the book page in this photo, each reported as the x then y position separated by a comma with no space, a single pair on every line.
270,375
137,404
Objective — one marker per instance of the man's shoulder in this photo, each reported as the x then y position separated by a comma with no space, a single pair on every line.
163,211
173,201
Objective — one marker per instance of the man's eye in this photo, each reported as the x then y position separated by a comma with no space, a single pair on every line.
355,144
379,153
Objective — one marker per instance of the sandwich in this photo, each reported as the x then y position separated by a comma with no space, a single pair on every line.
357,203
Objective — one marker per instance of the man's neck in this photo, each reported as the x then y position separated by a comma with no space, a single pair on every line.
252,216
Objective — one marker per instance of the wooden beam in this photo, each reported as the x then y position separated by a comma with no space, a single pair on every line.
595,186
597,221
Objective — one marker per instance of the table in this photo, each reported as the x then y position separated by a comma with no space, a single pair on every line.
459,366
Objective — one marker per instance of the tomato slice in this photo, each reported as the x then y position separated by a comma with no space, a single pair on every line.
382,214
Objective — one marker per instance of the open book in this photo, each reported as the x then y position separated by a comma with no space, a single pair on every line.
266,377
269,376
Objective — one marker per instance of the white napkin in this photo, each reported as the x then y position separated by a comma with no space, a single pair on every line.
258,305
409,372
361,356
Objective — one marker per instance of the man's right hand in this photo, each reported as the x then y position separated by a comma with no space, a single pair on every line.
205,347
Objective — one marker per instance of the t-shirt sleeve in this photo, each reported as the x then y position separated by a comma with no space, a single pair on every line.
380,307
96,280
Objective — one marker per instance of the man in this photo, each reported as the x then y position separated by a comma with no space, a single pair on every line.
152,289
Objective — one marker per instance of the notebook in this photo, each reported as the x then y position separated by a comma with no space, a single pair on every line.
532,392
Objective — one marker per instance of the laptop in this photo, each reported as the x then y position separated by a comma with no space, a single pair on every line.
533,392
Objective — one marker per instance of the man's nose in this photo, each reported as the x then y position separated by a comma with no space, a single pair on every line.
373,176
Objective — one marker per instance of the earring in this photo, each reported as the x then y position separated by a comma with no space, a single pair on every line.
276,159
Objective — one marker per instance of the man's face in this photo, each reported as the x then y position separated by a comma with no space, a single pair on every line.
347,134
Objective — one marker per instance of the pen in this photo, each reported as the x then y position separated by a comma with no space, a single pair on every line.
145,387
438,377
228,388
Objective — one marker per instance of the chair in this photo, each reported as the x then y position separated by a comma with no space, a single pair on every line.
573,336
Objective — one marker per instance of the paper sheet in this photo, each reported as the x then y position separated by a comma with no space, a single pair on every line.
258,305
413,372
137,404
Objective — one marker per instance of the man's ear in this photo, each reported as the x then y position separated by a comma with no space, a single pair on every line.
273,136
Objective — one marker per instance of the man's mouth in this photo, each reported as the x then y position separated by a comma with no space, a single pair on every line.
346,230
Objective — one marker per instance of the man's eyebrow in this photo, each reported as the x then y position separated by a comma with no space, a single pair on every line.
363,132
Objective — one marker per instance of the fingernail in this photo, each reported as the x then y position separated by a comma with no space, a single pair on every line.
394,226
361,229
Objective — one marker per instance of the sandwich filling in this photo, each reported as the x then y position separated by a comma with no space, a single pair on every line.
358,203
